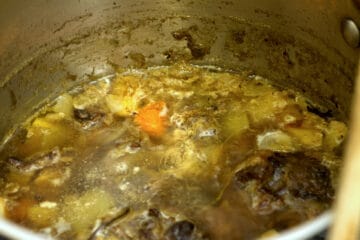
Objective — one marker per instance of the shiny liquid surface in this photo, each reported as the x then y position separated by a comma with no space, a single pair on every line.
179,152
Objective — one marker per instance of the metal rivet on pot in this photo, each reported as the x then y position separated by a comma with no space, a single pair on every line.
350,32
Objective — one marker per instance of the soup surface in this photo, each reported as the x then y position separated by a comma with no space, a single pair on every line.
175,153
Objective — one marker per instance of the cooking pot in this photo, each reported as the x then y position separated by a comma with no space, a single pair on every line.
48,46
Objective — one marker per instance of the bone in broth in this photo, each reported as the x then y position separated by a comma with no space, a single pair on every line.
175,153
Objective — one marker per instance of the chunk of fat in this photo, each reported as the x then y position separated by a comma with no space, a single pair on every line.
276,141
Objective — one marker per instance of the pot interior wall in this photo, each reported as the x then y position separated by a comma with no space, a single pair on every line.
297,45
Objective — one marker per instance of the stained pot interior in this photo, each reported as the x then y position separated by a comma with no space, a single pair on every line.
49,46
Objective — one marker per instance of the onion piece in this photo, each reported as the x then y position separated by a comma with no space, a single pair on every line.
276,141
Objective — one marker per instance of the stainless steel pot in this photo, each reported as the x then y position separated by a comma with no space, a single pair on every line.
47,46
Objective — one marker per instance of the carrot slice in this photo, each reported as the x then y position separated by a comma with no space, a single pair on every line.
152,119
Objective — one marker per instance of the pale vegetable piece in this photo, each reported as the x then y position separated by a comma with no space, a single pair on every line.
82,211
266,107
62,226
249,162
136,170
236,123
52,177
276,141
124,96
292,115
48,121
64,104
17,210
268,234
122,168
125,85
22,178
313,121
180,95
2,206
48,204
11,188
335,134
46,133
208,133
194,161
92,95
308,138
121,106
43,215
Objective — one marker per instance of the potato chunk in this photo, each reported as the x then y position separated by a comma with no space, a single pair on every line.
2,206
44,214
46,133
307,138
64,104
50,182
82,211
121,106
335,134
125,96
266,107
235,123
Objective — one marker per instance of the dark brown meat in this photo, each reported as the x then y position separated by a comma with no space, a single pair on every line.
152,225
302,176
282,190
231,218
36,162
305,177
182,230
89,118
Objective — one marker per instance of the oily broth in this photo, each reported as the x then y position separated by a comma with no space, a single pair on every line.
201,152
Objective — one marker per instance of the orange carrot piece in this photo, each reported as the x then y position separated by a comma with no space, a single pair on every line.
152,119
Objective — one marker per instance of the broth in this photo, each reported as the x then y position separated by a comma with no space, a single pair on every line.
179,152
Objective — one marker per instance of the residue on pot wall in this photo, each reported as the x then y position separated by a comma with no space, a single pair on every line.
227,42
